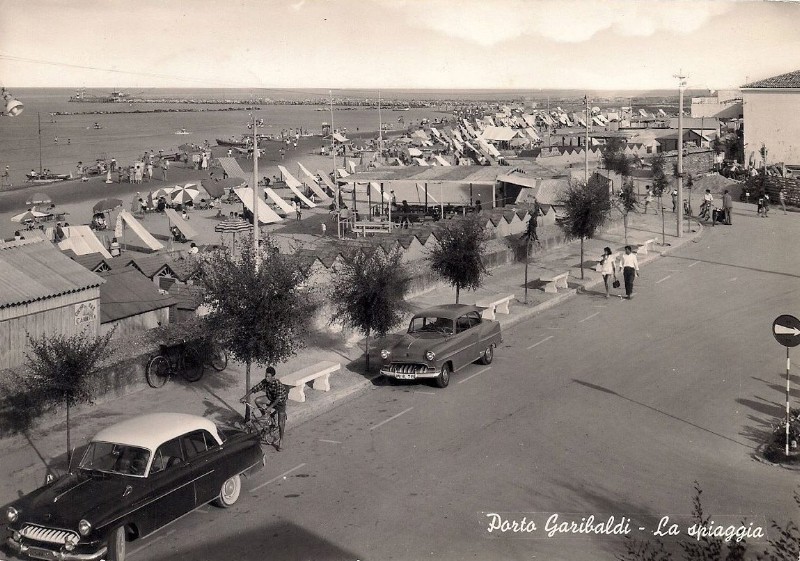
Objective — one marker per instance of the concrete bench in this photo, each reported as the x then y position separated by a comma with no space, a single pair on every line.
645,246
495,305
365,228
554,282
319,373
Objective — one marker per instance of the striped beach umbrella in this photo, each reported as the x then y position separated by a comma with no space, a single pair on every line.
28,215
233,226
39,199
184,194
162,192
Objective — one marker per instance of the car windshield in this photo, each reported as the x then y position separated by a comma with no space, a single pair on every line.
423,324
121,459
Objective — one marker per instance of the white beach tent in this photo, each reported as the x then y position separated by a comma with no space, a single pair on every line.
125,218
341,172
313,184
442,161
295,185
283,205
265,214
421,162
351,166
175,219
326,180
421,191
377,188
83,241
232,167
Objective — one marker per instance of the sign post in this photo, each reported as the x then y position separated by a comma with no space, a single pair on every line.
786,330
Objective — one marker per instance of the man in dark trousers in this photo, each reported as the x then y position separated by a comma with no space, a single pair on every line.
727,206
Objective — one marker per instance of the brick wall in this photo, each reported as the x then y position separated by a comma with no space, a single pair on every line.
792,186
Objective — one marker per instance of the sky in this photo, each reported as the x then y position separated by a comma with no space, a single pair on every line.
437,44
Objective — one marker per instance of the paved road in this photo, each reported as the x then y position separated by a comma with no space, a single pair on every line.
595,407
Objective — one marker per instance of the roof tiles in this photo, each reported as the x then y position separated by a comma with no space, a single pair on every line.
788,80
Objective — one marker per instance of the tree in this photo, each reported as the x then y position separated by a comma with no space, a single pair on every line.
586,209
458,254
62,368
259,314
368,293
614,158
627,202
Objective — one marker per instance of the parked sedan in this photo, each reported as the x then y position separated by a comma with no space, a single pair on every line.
134,477
440,341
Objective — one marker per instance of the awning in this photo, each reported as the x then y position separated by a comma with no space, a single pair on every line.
265,214
83,241
283,205
124,217
327,181
421,162
377,188
414,152
232,167
311,183
176,220
442,161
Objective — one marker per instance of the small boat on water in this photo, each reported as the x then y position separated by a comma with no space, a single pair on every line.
182,131
231,142
48,177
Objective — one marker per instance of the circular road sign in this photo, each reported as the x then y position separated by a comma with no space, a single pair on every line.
786,330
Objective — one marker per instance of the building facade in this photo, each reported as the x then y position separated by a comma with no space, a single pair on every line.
772,120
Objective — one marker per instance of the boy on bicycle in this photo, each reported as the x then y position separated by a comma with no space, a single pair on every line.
273,402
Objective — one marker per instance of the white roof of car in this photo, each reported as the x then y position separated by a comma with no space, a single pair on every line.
150,431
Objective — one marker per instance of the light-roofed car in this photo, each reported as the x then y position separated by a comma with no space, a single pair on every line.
134,477
439,341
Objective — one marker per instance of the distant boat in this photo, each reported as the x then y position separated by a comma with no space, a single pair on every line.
402,109
182,131
114,97
44,178
237,143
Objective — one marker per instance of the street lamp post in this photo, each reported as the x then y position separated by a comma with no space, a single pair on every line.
256,231
681,85
13,107
586,147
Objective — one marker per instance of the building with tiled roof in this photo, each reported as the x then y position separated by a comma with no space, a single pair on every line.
130,302
42,292
772,119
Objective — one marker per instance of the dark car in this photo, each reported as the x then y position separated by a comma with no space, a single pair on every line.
134,477
440,341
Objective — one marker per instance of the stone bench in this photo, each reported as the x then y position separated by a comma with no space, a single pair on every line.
554,282
319,373
645,246
495,305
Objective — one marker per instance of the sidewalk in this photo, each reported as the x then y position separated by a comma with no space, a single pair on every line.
26,460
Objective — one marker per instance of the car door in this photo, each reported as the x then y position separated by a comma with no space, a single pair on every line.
465,342
203,460
171,483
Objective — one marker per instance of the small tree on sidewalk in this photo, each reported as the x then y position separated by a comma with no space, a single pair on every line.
368,293
259,314
63,367
627,203
458,255
586,209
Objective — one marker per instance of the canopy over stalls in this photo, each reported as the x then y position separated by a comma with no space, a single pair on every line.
175,219
265,214
283,205
295,185
124,217
232,167
82,241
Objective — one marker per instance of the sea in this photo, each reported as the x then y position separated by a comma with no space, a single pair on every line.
43,136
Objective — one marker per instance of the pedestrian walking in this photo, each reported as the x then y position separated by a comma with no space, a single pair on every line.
674,199
630,270
648,198
766,205
727,205
781,197
607,267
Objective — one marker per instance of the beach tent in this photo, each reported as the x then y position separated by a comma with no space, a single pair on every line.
232,167
216,189
442,161
265,214
175,220
414,152
82,241
311,183
327,181
436,132
377,189
126,218
532,133
283,205
341,172
351,166
421,194
421,162
295,186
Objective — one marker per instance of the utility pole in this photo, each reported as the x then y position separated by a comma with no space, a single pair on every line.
256,230
586,147
681,85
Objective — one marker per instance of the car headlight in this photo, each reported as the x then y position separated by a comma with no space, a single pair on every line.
430,356
11,514
385,354
84,527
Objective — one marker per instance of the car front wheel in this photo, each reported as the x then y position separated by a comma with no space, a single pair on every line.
488,355
229,493
443,379
116,545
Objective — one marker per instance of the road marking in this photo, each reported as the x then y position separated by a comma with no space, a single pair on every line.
555,328
599,306
274,479
662,280
695,263
425,393
391,418
590,317
733,279
330,441
473,375
542,341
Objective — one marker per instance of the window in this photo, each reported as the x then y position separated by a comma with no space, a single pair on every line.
167,456
462,324
474,319
197,442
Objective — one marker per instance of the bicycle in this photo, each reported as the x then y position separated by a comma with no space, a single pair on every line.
190,360
267,425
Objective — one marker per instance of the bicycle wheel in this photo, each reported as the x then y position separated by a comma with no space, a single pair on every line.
193,368
157,372
270,432
218,359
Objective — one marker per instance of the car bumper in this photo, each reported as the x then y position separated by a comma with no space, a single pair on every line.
411,373
36,552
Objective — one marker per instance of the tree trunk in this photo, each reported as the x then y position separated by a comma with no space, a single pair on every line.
527,251
367,350
625,225
247,387
581,257
458,289
69,441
